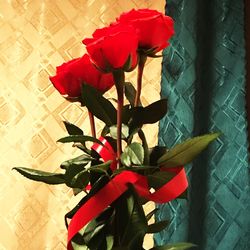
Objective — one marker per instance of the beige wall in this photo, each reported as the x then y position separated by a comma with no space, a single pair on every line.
35,37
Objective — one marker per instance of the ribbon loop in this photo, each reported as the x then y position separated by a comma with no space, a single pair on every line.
118,185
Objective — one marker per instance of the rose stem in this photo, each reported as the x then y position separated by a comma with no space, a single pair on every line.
142,61
92,123
119,83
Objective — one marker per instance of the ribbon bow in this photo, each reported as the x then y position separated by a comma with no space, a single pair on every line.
118,185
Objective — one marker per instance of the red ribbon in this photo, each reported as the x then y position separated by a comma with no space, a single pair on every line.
106,152
118,185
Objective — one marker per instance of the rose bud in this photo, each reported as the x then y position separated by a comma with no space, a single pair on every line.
113,47
70,75
154,29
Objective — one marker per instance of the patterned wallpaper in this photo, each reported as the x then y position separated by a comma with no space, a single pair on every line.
35,37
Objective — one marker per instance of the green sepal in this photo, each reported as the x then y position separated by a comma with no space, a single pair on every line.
146,52
155,56
127,67
185,152
157,226
98,105
133,155
41,176
175,246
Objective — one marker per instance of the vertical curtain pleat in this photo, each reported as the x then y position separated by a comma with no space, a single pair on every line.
203,77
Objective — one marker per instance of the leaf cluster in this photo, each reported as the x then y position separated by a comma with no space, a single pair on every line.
123,224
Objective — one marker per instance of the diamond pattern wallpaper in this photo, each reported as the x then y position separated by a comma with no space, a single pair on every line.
35,37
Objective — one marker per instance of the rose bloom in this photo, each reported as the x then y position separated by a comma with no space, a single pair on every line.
154,28
113,47
70,75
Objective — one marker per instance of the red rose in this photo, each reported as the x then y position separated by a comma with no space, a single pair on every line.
70,75
154,28
113,47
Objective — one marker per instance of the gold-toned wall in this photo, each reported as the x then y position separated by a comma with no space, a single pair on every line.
35,37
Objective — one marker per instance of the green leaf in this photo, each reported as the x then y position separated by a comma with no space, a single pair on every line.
148,115
184,195
79,247
82,160
185,152
98,105
37,175
80,180
95,232
125,131
72,129
133,168
83,148
154,112
126,114
109,242
99,184
150,214
133,155
120,248
130,93
72,174
175,246
103,167
105,131
130,220
76,191
159,178
157,226
79,138
155,153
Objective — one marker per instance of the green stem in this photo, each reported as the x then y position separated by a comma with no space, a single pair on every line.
119,78
92,123
142,61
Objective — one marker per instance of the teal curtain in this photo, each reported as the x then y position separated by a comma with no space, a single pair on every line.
203,77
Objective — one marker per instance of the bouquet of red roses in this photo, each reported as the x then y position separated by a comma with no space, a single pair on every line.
117,173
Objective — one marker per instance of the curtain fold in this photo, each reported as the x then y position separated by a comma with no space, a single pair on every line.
203,77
